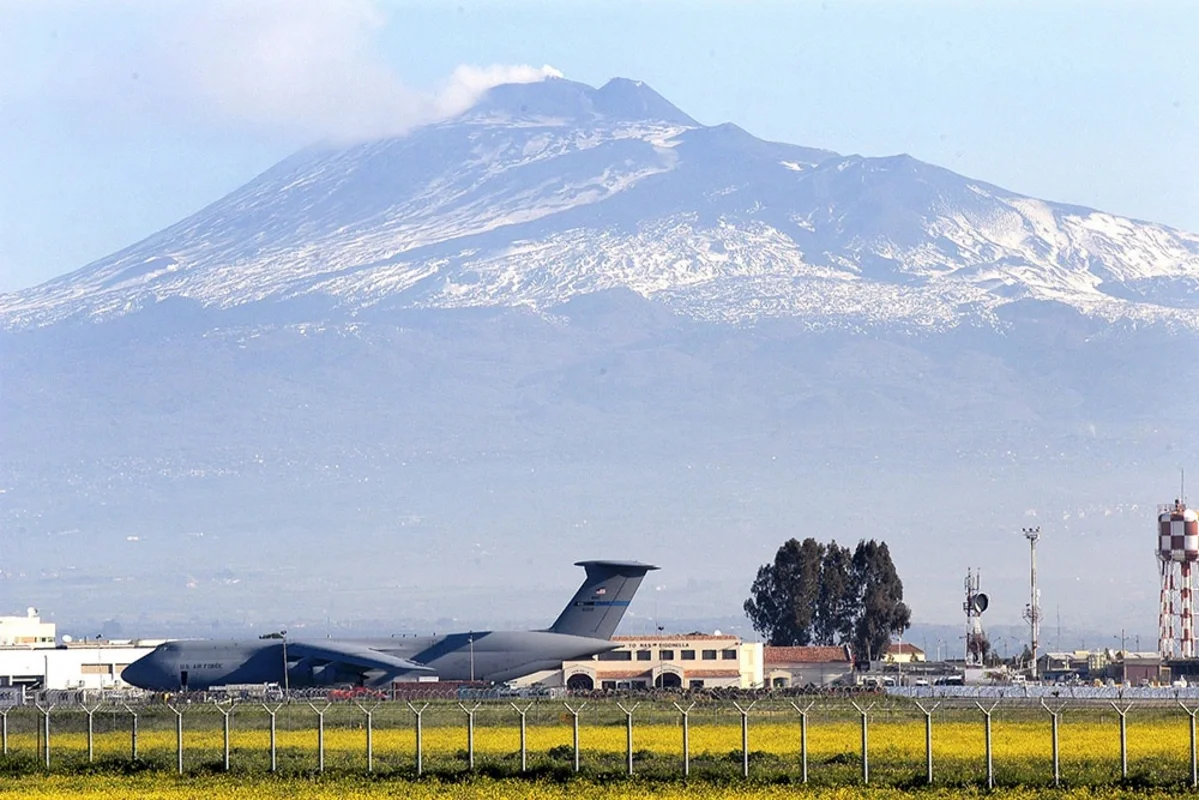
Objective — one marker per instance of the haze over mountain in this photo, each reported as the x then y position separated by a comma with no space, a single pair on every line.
413,379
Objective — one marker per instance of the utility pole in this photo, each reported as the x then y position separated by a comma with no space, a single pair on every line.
1033,612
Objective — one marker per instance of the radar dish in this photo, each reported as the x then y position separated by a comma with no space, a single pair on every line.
981,601
66,638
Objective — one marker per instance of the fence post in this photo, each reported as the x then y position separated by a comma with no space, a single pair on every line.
1054,713
574,712
225,713
178,738
4,729
803,737
420,745
470,733
274,740
91,732
744,736
45,731
987,727
865,739
523,740
1191,712
132,732
369,713
628,712
686,737
928,740
1123,712
320,734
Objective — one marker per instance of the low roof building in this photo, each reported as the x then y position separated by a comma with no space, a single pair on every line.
806,666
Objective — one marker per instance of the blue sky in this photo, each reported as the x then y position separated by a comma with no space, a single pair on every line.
118,118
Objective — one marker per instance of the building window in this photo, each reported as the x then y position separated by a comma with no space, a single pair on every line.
95,669
609,686
695,684
643,655
666,655
780,683
728,655
617,655
688,655
709,655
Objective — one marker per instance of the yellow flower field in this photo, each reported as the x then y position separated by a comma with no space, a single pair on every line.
1159,748
953,740
160,787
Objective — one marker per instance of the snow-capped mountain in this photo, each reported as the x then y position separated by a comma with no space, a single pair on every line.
396,379
547,191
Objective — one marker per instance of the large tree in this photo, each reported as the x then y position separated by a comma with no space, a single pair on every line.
883,612
837,599
814,593
782,603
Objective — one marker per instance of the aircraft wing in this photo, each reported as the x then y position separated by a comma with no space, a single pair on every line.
374,667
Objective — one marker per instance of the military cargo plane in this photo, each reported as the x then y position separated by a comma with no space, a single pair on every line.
584,628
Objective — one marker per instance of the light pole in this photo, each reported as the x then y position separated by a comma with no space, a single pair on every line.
1033,612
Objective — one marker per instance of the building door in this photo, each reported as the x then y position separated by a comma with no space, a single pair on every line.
580,682
183,679
668,680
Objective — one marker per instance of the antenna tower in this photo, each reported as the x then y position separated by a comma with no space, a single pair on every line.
976,603
1032,612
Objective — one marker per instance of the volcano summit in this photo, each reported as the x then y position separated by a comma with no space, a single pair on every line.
547,191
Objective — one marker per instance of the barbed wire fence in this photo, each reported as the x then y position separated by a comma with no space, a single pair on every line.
226,734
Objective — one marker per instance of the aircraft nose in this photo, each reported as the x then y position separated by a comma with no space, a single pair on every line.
146,673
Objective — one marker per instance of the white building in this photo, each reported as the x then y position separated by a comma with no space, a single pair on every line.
31,656
78,665
26,631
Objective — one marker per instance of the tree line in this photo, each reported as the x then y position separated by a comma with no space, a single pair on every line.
825,594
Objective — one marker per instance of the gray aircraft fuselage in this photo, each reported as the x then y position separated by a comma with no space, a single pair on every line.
583,629
482,656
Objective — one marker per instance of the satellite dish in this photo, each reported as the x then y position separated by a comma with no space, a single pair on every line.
66,638
716,632
981,601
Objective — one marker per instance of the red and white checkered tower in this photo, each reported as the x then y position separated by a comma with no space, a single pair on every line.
1177,550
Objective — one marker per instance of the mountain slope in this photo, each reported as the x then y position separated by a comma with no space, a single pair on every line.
546,191
397,379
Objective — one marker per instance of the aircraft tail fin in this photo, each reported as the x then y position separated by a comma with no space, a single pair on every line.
600,603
